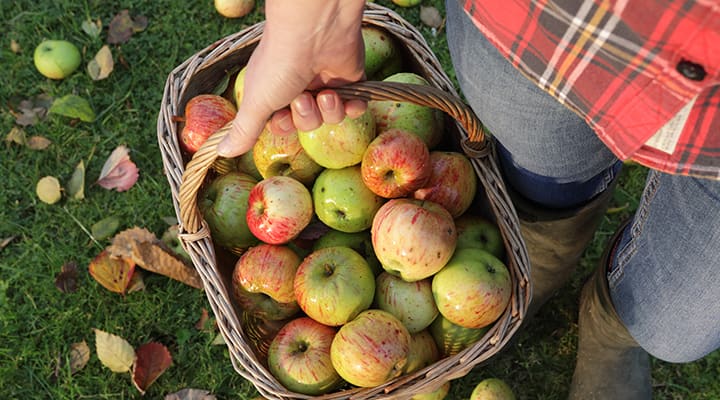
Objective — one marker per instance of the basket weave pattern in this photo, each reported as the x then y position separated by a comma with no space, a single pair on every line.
201,73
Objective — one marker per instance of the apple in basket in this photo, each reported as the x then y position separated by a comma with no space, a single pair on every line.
452,182
437,394
425,122
382,53
263,281
339,145
475,231
299,357
358,241
343,202
204,115
281,154
333,285
279,208
492,389
395,164
413,239
411,302
473,289
371,349
423,351
223,204
451,338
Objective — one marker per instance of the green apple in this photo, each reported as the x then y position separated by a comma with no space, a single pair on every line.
239,86
339,145
406,3
473,289
425,122
224,204
276,154
382,53
478,232
333,285
358,241
423,351
437,394
245,163
343,202
411,302
56,59
451,338
492,389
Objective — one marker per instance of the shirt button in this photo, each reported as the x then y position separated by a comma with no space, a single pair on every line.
690,70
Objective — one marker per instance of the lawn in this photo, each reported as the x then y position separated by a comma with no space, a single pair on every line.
39,323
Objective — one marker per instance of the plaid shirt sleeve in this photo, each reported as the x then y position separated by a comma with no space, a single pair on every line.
643,73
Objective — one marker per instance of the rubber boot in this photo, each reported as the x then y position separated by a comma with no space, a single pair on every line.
556,240
610,364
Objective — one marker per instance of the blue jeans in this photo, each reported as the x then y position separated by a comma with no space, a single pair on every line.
665,276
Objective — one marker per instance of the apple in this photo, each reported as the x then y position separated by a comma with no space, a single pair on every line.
234,8
263,281
223,204
339,145
333,285
473,289
413,239
299,357
492,389
423,351
56,59
281,154
395,164
411,302
171,240
425,122
204,115
475,231
382,53
358,241
239,86
406,3
452,182
371,349
437,394
343,202
451,338
279,208
245,163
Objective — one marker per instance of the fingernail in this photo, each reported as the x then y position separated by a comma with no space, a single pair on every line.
223,148
285,122
303,105
327,102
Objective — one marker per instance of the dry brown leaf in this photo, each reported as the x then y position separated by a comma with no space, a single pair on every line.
204,316
152,359
14,46
38,143
79,356
431,17
66,279
190,394
6,241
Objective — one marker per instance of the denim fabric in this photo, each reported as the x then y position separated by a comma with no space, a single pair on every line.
665,277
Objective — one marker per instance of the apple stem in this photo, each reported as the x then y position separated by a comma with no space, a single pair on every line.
178,118
329,270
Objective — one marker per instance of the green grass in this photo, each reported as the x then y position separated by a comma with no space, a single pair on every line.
38,323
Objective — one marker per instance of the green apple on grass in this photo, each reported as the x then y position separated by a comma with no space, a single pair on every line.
492,389
56,59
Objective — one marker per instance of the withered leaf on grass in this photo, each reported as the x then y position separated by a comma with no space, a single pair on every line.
73,106
92,28
118,172
102,65
6,241
15,46
48,190
76,184
66,279
31,111
152,359
123,26
204,317
105,228
431,17
113,351
113,273
16,135
38,143
79,356
190,394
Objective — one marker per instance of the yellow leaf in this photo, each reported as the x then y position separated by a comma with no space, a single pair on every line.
102,65
113,351
38,143
113,273
48,190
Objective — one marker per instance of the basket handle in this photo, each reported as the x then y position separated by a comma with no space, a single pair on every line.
424,95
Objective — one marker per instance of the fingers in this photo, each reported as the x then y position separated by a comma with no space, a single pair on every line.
331,107
355,108
305,112
242,136
281,122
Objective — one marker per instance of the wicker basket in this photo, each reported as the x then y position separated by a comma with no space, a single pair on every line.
202,72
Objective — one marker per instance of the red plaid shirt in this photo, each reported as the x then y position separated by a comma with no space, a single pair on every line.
643,73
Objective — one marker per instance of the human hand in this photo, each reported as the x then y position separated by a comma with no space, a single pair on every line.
306,44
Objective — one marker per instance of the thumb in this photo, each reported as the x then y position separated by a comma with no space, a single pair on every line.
245,129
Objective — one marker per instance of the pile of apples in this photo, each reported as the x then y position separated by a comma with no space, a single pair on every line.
356,238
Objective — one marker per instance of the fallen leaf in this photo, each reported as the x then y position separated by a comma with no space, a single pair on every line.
66,279
73,106
48,190
6,241
92,28
113,273
118,172
102,65
76,184
122,27
219,340
79,356
204,317
190,394
137,283
431,17
38,143
14,46
113,351
16,135
152,359
105,228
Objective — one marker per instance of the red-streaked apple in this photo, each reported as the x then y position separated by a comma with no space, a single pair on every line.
475,231
224,204
382,53
279,208
473,289
204,115
395,164
492,389
437,394
451,338
343,202
299,357
263,281
333,285
452,182
413,239
411,302
423,351
56,59
358,241
281,154
339,145
371,349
